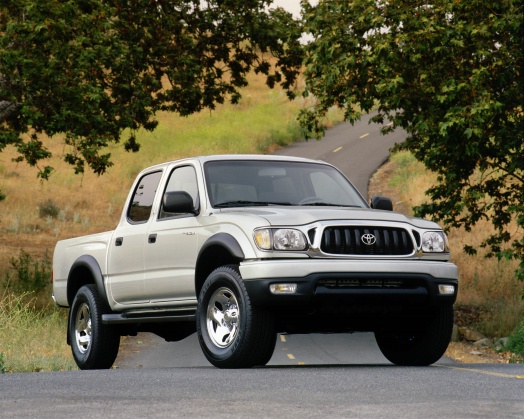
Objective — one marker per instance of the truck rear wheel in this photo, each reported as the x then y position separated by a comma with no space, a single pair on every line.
420,347
232,333
94,344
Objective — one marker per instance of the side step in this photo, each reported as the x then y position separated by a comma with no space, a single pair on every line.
149,317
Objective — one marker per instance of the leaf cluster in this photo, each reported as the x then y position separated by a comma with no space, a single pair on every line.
91,69
450,74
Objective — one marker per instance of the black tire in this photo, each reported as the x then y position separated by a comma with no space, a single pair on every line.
232,333
94,344
423,346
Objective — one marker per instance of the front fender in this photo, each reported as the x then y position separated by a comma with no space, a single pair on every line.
219,250
226,241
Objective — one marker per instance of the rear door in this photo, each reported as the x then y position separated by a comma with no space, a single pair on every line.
126,252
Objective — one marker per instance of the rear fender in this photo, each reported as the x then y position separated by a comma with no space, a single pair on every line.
85,270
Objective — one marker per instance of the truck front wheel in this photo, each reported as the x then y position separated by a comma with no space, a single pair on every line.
423,346
232,333
94,344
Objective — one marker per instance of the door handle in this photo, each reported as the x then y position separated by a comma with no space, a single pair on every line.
151,238
119,241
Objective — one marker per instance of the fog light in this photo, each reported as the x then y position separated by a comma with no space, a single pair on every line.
283,288
446,289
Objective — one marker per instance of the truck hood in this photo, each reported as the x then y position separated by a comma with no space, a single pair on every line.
296,216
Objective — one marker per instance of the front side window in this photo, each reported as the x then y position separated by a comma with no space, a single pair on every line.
142,202
182,179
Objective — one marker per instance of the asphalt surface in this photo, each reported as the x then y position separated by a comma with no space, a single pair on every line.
326,391
357,150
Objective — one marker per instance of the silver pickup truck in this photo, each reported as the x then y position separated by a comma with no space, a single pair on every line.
238,248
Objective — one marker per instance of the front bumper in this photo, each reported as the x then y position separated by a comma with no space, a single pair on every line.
373,283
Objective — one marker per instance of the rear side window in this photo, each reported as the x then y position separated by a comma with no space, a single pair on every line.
143,197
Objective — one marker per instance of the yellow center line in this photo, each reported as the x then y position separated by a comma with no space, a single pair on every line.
494,374
282,338
364,136
391,123
336,150
290,356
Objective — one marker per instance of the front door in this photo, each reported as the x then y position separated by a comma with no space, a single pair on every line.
171,251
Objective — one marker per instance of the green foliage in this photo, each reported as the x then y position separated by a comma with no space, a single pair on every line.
450,74
28,275
2,196
91,70
48,209
516,342
2,364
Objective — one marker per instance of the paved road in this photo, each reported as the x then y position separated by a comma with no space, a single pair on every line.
358,150
332,391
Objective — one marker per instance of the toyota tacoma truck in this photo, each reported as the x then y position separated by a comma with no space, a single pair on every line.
239,248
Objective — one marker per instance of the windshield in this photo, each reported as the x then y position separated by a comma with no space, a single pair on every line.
235,183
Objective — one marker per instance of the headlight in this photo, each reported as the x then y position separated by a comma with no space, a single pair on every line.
280,239
434,241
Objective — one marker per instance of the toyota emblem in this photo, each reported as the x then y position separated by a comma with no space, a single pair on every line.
368,239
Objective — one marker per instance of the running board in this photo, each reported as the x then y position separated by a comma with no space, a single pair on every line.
163,317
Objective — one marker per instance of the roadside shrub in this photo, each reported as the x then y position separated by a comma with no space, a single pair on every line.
48,209
2,363
516,342
28,275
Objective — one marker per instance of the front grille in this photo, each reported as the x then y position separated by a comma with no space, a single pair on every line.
352,241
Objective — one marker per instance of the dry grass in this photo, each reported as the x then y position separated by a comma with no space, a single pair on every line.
487,284
32,340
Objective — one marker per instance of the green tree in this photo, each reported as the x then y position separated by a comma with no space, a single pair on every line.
84,71
449,72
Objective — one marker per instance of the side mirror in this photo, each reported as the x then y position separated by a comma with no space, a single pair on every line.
381,203
179,202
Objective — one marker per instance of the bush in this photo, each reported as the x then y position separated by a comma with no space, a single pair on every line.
48,209
516,342
2,363
28,274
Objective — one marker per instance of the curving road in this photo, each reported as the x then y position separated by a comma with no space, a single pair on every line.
358,150
335,376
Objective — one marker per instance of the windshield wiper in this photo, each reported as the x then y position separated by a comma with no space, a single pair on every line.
327,204
241,203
